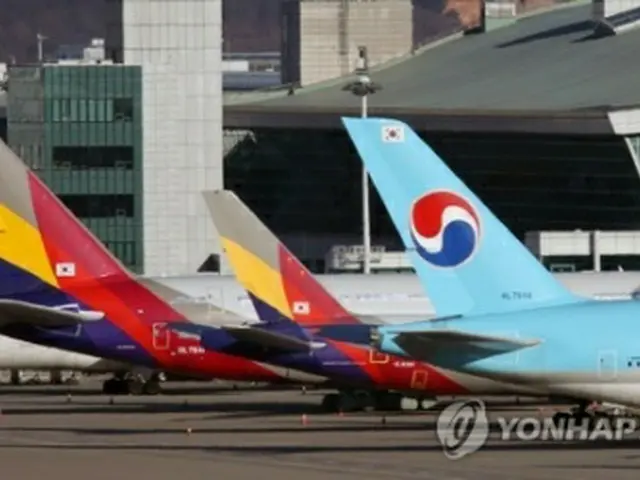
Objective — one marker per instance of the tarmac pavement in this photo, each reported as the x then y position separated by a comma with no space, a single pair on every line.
230,434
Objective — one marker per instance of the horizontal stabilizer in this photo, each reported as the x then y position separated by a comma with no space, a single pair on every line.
271,339
446,347
14,312
248,334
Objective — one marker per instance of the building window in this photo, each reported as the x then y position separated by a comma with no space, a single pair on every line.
93,157
92,111
82,111
124,250
55,110
123,109
64,110
102,112
99,206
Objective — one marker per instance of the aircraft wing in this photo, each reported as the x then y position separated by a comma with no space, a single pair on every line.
15,312
455,347
248,335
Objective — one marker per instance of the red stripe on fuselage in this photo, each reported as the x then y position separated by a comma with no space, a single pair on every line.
389,372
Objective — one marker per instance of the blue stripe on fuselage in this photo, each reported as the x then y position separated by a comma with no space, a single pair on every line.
102,338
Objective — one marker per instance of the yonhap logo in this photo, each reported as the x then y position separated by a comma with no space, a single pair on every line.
462,428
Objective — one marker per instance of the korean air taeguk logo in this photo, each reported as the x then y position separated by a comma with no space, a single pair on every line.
445,228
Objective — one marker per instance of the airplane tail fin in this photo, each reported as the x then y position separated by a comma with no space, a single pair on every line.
48,257
467,260
280,286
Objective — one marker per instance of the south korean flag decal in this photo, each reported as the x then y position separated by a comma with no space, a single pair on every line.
301,308
65,270
392,134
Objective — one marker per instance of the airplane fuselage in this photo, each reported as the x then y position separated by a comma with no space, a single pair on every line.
22,355
169,352
157,347
134,331
587,350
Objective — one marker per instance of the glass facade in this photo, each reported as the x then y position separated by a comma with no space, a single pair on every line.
80,129
308,182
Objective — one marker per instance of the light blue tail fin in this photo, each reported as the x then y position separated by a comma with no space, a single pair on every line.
467,260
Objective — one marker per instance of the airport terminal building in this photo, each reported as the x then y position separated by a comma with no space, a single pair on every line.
538,113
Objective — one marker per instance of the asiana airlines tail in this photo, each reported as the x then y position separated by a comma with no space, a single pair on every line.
60,287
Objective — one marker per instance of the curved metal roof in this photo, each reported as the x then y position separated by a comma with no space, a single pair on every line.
542,66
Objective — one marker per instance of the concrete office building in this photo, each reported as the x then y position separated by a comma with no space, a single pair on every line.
64,120
79,128
322,36
178,46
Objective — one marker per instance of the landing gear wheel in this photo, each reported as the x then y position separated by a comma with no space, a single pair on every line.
331,402
135,386
349,403
152,387
16,377
362,401
561,419
341,402
75,381
389,402
576,417
584,420
110,387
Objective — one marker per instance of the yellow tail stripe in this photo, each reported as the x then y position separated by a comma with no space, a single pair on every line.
21,245
257,277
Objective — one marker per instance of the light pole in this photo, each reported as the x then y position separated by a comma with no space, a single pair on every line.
363,87
41,38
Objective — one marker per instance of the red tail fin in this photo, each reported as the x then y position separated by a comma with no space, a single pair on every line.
84,267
